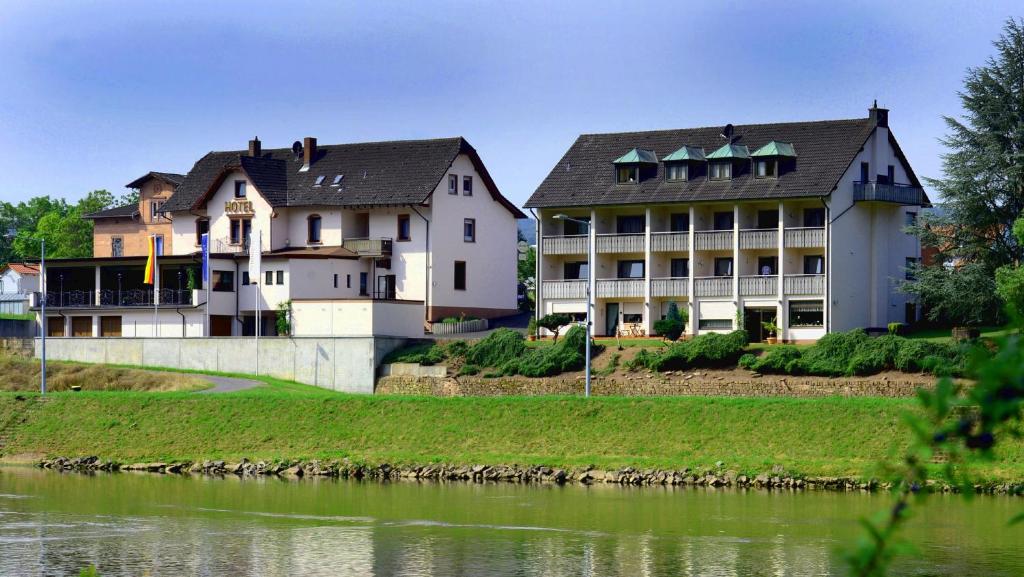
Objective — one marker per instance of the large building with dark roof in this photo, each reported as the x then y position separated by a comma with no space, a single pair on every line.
799,223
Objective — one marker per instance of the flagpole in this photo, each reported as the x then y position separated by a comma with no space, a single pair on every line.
156,285
207,277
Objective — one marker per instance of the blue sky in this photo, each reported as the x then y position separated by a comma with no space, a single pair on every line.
94,94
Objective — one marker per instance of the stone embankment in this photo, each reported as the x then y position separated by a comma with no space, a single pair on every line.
718,477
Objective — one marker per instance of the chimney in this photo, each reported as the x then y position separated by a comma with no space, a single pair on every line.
254,148
880,116
308,151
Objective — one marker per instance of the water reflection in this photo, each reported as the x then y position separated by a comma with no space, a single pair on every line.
53,524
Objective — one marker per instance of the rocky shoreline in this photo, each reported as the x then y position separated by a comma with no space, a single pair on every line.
344,469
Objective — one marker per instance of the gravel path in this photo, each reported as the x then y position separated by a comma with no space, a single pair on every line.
229,384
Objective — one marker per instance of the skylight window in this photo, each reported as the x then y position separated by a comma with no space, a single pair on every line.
337,179
319,180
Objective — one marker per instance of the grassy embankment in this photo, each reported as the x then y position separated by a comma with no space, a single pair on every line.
22,375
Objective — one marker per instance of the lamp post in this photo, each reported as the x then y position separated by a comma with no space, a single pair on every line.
42,281
590,281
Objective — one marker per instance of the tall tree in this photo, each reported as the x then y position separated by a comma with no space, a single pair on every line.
67,234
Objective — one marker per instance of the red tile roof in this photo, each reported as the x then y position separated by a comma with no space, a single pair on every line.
20,268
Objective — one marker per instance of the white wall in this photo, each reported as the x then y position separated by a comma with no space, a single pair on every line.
357,317
408,259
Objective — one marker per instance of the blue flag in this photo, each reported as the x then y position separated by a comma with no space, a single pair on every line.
205,242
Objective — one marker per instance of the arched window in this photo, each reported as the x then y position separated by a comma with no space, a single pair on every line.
313,229
202,227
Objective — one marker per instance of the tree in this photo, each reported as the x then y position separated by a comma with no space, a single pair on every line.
671,327
963,295
554,322
67,234
1010,278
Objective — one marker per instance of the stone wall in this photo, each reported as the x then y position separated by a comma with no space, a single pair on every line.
16,347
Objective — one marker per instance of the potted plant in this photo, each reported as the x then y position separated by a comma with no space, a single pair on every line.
531,329
773,331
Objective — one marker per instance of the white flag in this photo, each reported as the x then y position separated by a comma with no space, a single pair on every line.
255,243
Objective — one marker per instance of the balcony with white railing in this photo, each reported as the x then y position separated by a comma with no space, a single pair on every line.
620,243
760,238
808,237
620,288
883,192
712,286
564,289
759,285
670,241
575,244
713,240
670,287
369,246
227,246
804,284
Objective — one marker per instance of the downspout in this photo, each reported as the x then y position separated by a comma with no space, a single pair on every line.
427,267
536,270
828,262
238,289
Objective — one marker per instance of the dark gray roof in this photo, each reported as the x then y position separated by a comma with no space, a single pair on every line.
391,173
171,178
126,211
585,174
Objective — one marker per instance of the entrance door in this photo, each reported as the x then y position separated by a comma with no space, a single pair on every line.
220,325
386,287
752,319
611,319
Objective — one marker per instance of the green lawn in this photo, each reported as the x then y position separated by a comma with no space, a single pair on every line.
16,317
945,335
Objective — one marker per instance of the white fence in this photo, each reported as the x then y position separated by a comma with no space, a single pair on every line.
473,326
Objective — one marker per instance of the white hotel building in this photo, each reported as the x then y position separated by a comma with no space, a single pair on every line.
798,222
378,238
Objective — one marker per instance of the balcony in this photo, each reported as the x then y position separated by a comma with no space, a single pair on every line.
670,287
670,241
805,284
762,238
564,289
112,298
714,240
620,288
713,286
805,237
226,246
759,286
894,193
618,243
368,246
576,244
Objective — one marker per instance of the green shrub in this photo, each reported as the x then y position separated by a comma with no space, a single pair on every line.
747,361
565,356
781,359
496,348
910,358
830,356
469,370
554,322
613,363
457,349
671,327
422,353
710,350
875,355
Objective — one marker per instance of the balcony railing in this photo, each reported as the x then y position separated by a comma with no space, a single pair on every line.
564,289
805,237
612,243
896,193
714,240
670,287
576,244
620,288
759,286
113,298
368,246
226,246
670,241
804,284
712,286
759,238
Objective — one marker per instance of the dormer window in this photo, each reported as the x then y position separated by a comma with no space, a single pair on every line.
627,174
720,171
684,163
635,165
677,171
723,161
319,180
770,159
337,179
765,168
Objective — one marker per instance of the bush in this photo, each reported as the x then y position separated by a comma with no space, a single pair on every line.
554,322
671,327
830,356
497,348
568,355
781,359
423,353
469,370
875,355
457,349
710,350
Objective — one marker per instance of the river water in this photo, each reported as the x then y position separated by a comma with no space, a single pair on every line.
140,524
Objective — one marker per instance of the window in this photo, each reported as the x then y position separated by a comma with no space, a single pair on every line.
724,220
239,189
269,280
319,180
116,246
891,174
313,224
814,264
348,281
721,171
575,270
572,228
629,225
909,268
680,267
460,275
814,217
404,232
202,227
723,266
765,168
631,269
627,174
910,219
467,186
679,222
632,318
865,172
240,230
768,265
715,324
154,210
768,219
453,184
280,277
676,172
337,179
335,280
469,230
806,314
223,280
245,278
363,284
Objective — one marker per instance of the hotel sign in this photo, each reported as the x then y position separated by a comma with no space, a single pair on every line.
239,207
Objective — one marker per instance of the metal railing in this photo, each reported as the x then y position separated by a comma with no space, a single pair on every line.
620,288
670,241
612,243
759,285
576,244
804,284
369,246
564,289
670,287
712,286
114,298
713,240
896,193
809,237
760,238
225,246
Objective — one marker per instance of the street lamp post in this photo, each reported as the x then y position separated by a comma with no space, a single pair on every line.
590,303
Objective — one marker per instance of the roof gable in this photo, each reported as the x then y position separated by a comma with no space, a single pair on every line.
171,178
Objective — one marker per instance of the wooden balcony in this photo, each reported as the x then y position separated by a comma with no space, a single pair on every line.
620,288
805,237
619,243
804,284
576,244
759,286
670,242
713,240
761,238
670,287
712,286
564,289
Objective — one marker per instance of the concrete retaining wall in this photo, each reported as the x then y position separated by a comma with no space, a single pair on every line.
346,364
